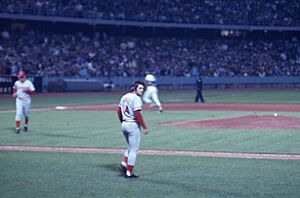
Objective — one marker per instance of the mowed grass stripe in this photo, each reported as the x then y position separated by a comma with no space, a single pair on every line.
77,175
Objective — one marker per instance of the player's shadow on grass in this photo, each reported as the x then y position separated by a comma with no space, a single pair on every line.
59,135
111,167
13,129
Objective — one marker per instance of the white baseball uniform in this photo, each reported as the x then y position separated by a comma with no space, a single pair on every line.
151,95
23,99
129,103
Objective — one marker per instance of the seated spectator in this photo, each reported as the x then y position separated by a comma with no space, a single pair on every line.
108,85
250,12
44,53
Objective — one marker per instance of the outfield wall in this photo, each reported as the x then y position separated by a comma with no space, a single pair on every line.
7,83
54,84
58,84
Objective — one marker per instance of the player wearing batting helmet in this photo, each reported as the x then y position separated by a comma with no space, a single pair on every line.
151,94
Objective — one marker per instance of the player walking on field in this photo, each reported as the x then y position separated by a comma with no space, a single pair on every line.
21,91
129,113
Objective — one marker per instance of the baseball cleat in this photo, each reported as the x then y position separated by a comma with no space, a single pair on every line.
17,131
25,128
133,176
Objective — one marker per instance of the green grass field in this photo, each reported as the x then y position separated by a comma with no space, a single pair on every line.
42,174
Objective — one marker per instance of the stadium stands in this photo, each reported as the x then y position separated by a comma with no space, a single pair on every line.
99,54
250,12
76,54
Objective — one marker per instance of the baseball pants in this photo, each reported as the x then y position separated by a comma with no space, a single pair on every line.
22,107
132,134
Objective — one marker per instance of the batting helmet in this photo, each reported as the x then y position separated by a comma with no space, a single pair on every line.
150,78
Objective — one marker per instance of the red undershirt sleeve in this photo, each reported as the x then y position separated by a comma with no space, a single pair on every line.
139,119
30,91
120,114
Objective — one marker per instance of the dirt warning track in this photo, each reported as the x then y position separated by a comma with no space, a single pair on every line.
183,107
201,106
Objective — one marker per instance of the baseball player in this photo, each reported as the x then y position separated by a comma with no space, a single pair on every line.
129,113
151,94
21,91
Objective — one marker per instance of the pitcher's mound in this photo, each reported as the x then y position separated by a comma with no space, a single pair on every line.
243,122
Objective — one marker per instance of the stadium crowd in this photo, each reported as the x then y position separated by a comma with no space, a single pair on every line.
267,12
45,53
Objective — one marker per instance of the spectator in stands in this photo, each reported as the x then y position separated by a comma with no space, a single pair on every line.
250,12
76,54
108,85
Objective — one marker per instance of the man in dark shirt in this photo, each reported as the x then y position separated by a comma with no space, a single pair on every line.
199,85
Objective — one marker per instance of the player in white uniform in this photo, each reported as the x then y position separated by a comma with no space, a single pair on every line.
21,91
151,94
129,114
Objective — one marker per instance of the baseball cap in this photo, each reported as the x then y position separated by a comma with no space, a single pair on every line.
21,74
